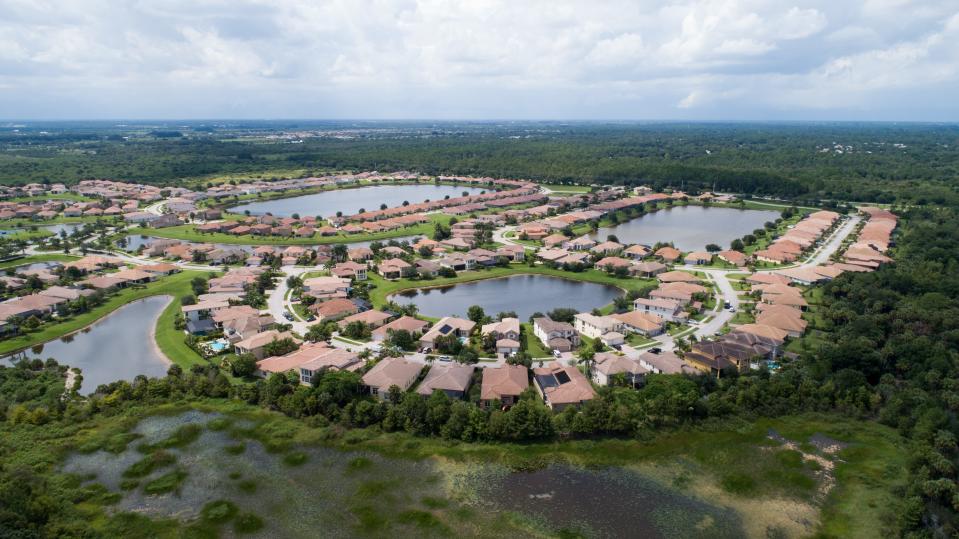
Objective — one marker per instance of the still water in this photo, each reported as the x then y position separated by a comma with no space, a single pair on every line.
523,294
350,201
118,347
690,228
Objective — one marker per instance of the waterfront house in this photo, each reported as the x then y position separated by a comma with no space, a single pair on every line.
449,325
562,386
559,336
450,378
389,372
412,325
606,365
504,384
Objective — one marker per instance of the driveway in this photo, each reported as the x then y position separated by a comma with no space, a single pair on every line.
277,302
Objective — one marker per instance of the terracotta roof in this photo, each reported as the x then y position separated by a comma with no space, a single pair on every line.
510,380
450,377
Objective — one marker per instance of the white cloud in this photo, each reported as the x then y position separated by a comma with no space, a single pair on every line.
429,58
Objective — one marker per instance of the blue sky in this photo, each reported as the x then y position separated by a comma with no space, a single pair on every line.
480,59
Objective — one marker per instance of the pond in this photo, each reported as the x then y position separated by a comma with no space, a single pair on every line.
581,501
118,347
523,294
135,241
69,228
299,489
690,228
401,239
350,201
36,266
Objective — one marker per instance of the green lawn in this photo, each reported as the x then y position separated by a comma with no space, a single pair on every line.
383,288
59,196
34,259
168,338
176,285
19,223
27,234
534,347
566,188
635,339
189,233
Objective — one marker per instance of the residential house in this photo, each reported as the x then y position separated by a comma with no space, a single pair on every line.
559,336
562,386
670,311
606,365
414,326
372,318
389,372
594,327
507,328
698,258
256,344
504,384
647,269
449,325
642,322
665,363
450,378
637,252
333,309
350,270
669,255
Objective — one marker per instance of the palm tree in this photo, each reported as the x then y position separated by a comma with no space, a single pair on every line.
586,358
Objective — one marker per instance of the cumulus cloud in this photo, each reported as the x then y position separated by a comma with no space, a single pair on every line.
485,58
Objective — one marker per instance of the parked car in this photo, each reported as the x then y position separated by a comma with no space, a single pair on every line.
445,358
656,350
557,353
288,315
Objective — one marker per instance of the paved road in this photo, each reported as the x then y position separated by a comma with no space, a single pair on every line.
499,235
277,303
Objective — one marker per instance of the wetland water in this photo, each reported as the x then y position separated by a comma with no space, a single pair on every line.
118,347
690,228
524,294
301,489
350,201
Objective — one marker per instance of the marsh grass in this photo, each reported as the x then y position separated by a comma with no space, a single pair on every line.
218,511
167,482
247,523
147,465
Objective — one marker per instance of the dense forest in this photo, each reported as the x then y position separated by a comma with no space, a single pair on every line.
912,163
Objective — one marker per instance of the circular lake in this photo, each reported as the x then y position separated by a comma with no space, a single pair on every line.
118,347
523,294
690,228
350,201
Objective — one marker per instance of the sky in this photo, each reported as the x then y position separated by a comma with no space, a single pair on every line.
883,60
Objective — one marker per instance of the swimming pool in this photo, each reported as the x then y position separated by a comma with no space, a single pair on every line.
218,345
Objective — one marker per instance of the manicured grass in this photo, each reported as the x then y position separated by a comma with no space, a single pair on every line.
534,347
566,188
23,222
383,288
34,259
175,285
59,196
635,339
189,233
26,234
